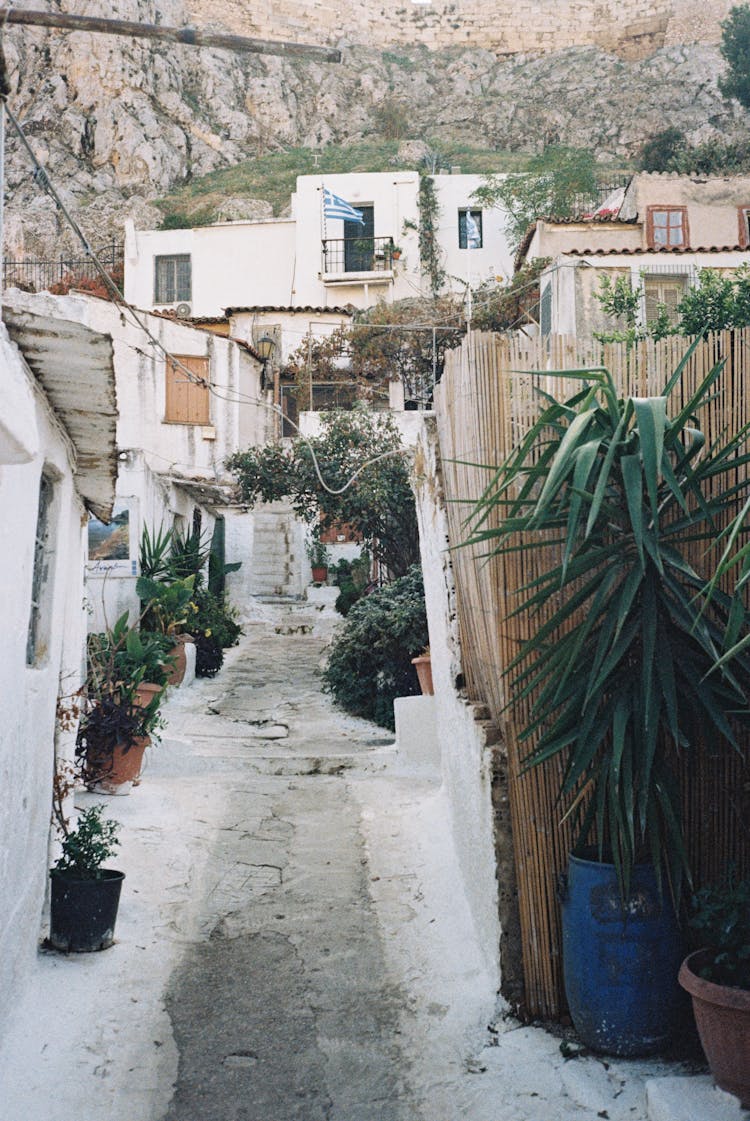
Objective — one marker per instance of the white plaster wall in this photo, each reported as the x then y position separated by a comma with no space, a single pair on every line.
465,755
232,263
294,327
28,694
409,424
150,449
494,261
394,197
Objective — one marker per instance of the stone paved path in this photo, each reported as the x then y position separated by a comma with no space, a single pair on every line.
293,942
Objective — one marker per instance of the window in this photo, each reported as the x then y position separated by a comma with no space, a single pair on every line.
34,644
172,279
545,311
743,216
470,229
187,401
663,291
667,227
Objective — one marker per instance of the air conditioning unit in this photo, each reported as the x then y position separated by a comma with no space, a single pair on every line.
183,311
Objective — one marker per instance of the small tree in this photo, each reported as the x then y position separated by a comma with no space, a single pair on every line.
554,184
357,445
735,49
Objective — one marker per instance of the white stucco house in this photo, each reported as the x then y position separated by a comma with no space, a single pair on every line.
173,436
58,465
290,277
659,234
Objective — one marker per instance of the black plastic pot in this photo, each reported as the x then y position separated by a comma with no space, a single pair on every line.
83,912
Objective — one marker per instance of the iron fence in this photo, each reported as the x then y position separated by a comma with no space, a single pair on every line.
357,254
34,275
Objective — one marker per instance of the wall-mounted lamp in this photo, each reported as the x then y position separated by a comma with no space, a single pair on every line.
265,347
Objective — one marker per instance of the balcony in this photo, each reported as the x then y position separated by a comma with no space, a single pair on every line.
353,260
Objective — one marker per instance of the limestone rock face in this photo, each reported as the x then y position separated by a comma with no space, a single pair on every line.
118,122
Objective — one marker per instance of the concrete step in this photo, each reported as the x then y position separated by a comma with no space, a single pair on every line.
690,1098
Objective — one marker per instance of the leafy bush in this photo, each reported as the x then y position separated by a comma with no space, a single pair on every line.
209,656
353,578
721,919
214,618
370,663
735,48
86,847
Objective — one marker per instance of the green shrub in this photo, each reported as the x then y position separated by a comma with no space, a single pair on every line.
214,618
370,663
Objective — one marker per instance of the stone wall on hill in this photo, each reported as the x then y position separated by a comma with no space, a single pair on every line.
630,28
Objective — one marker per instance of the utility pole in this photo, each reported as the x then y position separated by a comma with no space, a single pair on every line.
190,36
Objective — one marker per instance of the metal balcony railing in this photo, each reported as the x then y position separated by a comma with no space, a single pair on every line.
357,254
34,275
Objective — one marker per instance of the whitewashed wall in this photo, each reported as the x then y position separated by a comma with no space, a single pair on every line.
151,452
466,757
233,263
30,441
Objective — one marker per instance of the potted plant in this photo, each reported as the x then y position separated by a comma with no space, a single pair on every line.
717,976
319,557
619,674
423,665
84,894
166,611
127,674
396,252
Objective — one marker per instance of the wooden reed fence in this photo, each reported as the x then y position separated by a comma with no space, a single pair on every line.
485,403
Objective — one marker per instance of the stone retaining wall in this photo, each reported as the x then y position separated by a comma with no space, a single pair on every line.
632,28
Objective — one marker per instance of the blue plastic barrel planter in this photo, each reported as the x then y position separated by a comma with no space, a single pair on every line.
620,961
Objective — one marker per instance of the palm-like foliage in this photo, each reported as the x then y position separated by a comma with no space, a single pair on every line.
625,671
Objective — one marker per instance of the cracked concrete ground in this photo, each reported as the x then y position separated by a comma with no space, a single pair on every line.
293,941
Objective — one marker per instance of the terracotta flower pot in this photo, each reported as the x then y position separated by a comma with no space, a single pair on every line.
176,674
319,573
145,693
117,775
722,1014
423,666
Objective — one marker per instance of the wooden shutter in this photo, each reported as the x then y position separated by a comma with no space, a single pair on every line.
667,290
187,402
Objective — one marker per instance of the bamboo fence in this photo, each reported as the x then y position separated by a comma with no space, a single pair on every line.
485,402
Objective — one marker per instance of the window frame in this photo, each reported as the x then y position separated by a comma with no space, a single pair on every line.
743,225
665,208
192,393
175,259
41,590
477,215
683,278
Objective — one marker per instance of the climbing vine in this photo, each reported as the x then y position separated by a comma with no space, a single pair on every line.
429,249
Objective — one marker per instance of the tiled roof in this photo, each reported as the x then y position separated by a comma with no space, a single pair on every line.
346,310
657,250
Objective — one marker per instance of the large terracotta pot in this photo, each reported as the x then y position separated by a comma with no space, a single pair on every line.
722,1014
319,573
116,776
423,666
144,693
175,675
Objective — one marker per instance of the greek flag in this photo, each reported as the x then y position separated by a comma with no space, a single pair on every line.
473,236
334,207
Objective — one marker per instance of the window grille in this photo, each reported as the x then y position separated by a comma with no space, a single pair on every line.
172,279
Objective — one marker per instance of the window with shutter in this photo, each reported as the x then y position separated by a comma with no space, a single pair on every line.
173,279
667,227
186,399
663,291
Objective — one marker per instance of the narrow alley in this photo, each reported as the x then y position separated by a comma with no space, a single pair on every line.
293,944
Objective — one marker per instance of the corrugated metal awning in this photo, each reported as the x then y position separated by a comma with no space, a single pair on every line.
75,367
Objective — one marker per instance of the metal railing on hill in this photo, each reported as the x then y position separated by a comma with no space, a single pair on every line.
33,275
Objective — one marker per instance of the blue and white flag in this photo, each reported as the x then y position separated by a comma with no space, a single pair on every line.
473,236
334,207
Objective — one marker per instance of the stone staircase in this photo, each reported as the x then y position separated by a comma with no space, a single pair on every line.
278,556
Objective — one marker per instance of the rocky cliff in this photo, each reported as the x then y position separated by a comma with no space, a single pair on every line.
118,122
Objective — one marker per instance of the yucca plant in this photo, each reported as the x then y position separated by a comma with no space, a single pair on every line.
626,671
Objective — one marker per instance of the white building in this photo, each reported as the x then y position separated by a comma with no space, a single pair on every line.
173,436
57,463
307,272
